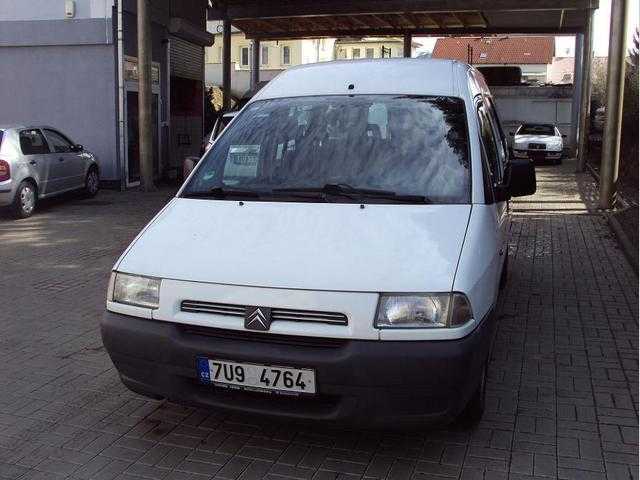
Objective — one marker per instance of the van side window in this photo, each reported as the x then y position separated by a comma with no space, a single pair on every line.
497,129
490,144
32,142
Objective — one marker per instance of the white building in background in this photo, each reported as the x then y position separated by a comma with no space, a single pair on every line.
275,56
372,47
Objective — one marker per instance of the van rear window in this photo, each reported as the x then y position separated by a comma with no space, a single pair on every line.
409,145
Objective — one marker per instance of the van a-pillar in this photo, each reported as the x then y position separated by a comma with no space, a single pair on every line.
145,124
407,45
615,97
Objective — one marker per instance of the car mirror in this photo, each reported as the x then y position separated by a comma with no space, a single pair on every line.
521,178
564,136
511,134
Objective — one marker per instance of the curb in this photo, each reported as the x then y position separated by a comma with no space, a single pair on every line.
629,250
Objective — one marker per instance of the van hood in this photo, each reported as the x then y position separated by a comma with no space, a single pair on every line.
311,246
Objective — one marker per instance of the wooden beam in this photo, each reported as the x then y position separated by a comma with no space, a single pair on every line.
459,23
374,32
238,9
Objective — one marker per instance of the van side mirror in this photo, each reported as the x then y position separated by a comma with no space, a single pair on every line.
521,178
564,135
511,134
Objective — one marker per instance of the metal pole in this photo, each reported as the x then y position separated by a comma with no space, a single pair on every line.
407,45
226,65
615,98
578,83
145,123
585,101
255,64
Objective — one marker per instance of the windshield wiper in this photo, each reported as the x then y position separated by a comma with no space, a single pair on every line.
355,193
224,192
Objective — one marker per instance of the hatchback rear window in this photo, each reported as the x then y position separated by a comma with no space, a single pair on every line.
408,145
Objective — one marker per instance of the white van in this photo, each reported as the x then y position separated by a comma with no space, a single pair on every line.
336,255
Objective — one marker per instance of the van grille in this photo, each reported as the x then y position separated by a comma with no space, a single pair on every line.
277,314
247,336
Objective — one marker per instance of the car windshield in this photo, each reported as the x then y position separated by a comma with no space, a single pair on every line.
537,130
365,147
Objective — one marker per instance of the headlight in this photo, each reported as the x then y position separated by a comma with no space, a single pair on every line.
436,310
136,290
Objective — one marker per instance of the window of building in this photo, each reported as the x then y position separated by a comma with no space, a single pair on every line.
265,55
244,56
286,55
342,53
369,52
355,53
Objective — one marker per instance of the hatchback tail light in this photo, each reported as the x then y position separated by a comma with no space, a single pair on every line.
5,171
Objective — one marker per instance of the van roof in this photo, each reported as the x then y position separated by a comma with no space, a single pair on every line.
402,76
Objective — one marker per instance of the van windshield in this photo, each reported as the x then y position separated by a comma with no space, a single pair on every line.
365,148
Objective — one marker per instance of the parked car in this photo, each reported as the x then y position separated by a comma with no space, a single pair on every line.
40,162
220,124
538,142
336,255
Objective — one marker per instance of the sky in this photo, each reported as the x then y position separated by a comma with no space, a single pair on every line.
565,45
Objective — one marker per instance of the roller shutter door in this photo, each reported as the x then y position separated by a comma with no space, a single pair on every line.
187,59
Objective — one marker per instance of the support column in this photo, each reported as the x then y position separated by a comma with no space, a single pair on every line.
226,64
255,64
615,97
578,83
585,101
407,45
145,96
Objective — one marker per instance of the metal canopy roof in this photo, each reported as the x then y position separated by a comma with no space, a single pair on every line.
274,19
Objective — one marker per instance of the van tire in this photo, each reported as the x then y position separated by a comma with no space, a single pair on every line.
25,201
474,410
92,182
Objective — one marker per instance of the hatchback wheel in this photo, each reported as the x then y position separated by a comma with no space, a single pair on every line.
92,182
24,203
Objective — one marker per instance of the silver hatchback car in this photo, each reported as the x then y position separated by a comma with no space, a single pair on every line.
40,162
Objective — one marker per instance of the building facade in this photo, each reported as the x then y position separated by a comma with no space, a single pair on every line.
275,56
371,47
73,65
533,54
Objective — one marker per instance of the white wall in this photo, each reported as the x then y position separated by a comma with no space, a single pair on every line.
12,10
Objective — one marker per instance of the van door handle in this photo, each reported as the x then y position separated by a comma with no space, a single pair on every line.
61,159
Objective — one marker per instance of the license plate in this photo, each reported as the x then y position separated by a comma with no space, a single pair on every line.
251,376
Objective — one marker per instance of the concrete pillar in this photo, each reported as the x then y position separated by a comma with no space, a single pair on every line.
226,64
407,45
577,95
585,100
145,96
255,64
615,97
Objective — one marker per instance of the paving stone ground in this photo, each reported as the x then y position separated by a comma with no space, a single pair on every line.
562,394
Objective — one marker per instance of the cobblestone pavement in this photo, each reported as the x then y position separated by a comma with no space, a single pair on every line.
562,395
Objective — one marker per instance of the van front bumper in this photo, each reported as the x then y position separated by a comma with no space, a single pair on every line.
400,383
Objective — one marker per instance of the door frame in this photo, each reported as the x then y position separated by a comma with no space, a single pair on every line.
155,90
